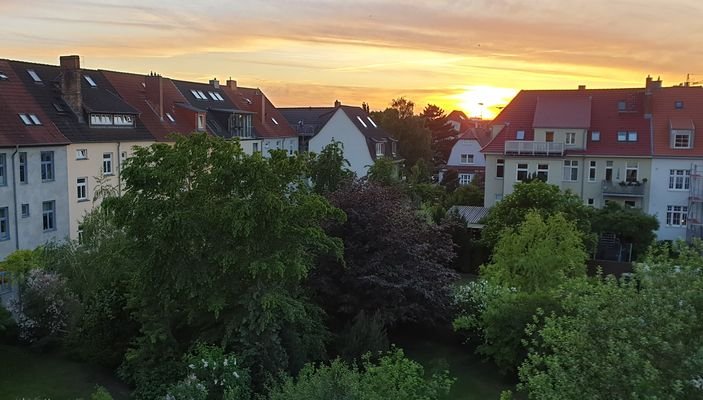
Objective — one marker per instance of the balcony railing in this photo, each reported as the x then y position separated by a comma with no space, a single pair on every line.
530,148
623,189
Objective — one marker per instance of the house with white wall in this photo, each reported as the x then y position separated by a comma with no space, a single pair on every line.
466,157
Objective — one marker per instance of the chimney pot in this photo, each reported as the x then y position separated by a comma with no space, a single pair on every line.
155,93
215,83
71,83
582,87
337,104
231,84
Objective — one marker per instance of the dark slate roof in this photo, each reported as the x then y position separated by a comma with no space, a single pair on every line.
16,99
365,124
473,215
103,99
307,121
272,124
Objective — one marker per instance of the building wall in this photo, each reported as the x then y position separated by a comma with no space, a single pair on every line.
248,145
661,196
339,128
30,233
493,186
560,137
465,146
290,144
92,169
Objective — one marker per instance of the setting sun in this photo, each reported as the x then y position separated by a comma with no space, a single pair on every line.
484,101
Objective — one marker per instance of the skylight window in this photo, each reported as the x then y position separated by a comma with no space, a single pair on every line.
248,100
3,77
34,119
198,94
274,120
520,135
372,123
216,96
202,95
30,119
212,95
25,119
90,81
58,107
34,75
170,117
362,121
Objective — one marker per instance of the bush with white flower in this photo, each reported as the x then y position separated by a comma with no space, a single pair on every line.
211,375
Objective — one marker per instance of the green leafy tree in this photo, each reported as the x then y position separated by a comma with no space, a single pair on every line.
221,242
469,195
629,224
20,262
384,171
329,169
414,140
393,377
443,135
536,195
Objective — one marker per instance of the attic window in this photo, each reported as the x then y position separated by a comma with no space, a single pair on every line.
3,77
520,135
595,136
627,136
123,120
362,121
30,119
622,105
170,117
216,96
202,95
198,94
90,81
678,104
274,120
247,100
58,107
372,123
34,75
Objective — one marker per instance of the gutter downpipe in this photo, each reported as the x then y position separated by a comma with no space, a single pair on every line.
14,193
119,170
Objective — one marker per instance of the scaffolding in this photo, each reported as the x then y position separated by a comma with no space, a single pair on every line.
694,220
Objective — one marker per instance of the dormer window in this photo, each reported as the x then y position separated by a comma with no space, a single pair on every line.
520,135
380,149
681,139
361,121
90,81
35,77
119,120
30,119
170,117
100,119
201,122
123,120
570,138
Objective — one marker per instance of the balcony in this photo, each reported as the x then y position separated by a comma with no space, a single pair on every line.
623,189
530,148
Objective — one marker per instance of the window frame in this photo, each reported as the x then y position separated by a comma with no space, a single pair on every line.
572,166
47,166
520,135
595,136
469,159
4,221
592,171
524,170
3,169
82,189
108,162
465,179
24,214
673,211
49,216
676,133
682,175
572,136
380,149
629,168
543,171
23,167
500,168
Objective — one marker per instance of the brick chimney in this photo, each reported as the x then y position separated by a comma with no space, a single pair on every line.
71,83
262,99
154,85
232,85
582,87
337,104
652,85
215,83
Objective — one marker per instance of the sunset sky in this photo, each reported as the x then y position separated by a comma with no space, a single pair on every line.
455,54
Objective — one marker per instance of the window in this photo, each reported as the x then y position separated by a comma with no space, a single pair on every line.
215,96
30,119
80,234
591,202
631,136
255,147
681,139
123,120
676,215
107,163
521,174
3,169
48,215
500,168
570,138
467,158
90,81
201,122
241,125
520,135
362,121
609,171
622,105
3,76
4,223
202,95
543,172
678,104
499,197
82,189
394,147
592,171
274,120
679,179
380,149
595,136
170,117
549,136
631,170
47,166
100,119
59,108
465,179
198,94
24,178
622,136
35,77
25,210
81,154
571,170
372,122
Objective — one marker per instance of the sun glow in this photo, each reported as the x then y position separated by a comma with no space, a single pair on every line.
484,101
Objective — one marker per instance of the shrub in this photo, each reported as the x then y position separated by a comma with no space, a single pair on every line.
365,334
8,326
100,394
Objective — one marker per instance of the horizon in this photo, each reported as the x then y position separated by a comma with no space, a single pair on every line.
474,58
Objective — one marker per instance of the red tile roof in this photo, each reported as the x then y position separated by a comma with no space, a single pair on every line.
606,118
563,111
666,116
16,99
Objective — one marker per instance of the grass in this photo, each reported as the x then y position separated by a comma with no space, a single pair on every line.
476,379
27,375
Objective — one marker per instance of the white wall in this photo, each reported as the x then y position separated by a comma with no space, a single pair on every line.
660,196
466,146
30,233
290,144
341,129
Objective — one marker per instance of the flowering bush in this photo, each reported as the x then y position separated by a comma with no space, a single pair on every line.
46,307
212,375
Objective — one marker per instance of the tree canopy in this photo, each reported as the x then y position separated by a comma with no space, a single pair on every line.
413,138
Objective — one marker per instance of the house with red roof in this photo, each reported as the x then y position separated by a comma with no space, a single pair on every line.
466,157
594,143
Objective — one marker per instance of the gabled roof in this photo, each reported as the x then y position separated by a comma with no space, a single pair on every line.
482,136
461,118
16,99
103,98
365,124
606,118
273,123
563,111
666,117
307,121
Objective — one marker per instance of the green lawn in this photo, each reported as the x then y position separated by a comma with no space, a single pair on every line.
28,375
475,379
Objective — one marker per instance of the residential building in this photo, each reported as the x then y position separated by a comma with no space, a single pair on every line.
362,139
466,157
306,122
33,173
